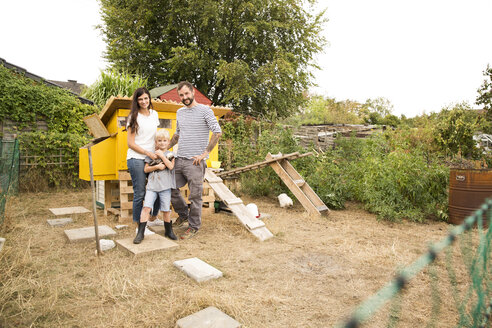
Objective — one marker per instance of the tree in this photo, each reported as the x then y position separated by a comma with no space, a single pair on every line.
254,55
485,93
454,130
374,111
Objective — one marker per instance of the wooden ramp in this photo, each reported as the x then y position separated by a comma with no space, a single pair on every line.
296,184
293,180
255,226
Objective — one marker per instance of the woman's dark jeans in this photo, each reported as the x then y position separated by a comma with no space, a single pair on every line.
139,179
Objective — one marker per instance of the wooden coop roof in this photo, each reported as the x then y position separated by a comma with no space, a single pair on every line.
115,103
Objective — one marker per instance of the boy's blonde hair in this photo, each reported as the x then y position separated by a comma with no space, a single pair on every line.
161,134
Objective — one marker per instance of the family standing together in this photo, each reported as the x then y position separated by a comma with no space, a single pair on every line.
156,173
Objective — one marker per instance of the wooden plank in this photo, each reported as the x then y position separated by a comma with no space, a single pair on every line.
258,165
107,196
114,211
124,175
126,190
262,233
299,182
126,206
305,188
255,226
291,171
245,217
233,201
303,199
96,126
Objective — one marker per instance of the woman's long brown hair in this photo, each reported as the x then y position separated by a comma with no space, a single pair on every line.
132,117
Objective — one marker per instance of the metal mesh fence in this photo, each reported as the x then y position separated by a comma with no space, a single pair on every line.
468,246
9,172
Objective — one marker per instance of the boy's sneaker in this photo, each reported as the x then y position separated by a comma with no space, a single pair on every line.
180,222
190,232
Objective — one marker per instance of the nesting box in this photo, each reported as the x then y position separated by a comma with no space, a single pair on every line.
109,155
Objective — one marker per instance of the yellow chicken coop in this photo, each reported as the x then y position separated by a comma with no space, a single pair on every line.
109,155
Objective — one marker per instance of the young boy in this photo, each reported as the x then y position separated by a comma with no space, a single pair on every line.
160,182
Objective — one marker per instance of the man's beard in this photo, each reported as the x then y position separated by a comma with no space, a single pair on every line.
188,101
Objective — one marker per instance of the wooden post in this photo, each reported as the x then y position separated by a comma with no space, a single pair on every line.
93,187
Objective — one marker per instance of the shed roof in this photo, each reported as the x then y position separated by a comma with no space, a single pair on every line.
156,92
40,79
71,85
115,103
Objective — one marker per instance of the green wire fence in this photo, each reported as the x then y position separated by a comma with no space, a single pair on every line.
9,172
473,306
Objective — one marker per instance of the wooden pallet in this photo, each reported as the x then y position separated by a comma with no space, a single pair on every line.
208,196
124,196
235,204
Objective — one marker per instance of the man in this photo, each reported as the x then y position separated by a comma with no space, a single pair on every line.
193,124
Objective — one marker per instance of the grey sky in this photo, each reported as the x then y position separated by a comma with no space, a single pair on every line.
420,55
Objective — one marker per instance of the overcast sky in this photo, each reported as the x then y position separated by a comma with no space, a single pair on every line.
420,55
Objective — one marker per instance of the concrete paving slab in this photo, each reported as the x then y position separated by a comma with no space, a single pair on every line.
121,226
88,233
69,210
197,269
152,243
2,242
158,229
210,317
59,222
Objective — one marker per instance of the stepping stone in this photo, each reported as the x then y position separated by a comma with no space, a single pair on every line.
121,226
197,269
158,229
88,233
59,222
210,317
152,243
69,210
2,241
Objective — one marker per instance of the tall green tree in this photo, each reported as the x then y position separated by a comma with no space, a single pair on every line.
485,92
255,55
454,130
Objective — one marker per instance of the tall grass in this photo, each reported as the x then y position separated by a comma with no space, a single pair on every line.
113,83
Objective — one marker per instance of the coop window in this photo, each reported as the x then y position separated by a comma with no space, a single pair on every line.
164,123
121,121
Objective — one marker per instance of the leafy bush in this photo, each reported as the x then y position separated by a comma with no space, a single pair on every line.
393,175
25,102
454,131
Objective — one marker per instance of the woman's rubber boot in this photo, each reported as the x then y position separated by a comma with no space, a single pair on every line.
168,231
140,234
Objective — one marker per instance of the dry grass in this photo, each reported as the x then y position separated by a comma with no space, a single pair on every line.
311,274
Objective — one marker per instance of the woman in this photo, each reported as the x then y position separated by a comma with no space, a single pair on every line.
142,123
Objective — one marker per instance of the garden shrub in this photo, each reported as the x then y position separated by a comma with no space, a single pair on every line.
394,176
25,102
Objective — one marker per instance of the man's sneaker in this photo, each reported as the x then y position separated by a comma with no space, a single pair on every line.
190,232
180,223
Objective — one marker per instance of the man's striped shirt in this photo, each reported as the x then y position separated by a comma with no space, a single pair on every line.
193,126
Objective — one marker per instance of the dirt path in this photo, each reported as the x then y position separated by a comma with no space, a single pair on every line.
311,274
